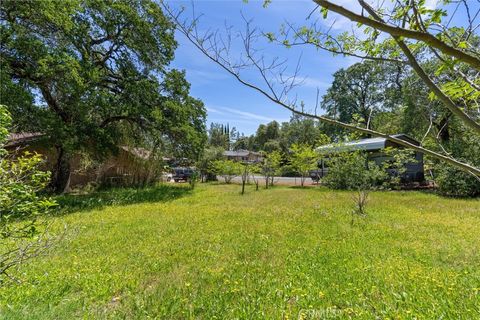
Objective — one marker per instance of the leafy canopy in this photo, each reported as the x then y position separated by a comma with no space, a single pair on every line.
92,74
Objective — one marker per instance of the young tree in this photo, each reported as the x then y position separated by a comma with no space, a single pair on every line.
228,169
245,175
270,167
205,164
92,74
303,159
22,235
255,170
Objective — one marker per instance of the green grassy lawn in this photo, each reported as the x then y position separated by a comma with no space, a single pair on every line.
279,253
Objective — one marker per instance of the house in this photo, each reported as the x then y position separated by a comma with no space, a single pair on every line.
375,149
127,166
243,155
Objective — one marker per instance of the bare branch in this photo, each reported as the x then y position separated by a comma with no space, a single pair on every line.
214,53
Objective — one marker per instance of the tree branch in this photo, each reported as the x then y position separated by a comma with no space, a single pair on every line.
467,120
199,43
427,38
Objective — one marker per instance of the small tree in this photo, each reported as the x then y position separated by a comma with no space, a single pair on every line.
303,159
205,164
245,173
22,236
270,167
192,181
255,169
227,169
396,167
353,171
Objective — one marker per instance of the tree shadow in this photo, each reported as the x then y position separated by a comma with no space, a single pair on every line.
305,187
70,203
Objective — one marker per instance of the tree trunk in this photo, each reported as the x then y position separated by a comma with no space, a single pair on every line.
61,173
443,129
244,178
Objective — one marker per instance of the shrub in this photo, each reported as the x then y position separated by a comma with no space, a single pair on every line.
22,236
206,163
353,171
396,166
192,181
454,182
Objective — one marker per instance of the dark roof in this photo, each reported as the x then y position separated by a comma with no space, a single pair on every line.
15,139
364,144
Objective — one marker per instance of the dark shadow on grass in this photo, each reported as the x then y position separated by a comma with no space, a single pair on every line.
119,196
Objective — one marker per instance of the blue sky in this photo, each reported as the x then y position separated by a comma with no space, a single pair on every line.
228,101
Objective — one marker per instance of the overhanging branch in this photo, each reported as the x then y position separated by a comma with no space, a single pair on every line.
467,120
210,49
427,38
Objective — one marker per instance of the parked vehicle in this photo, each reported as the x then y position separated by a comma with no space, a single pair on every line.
167,176
182,173
317,174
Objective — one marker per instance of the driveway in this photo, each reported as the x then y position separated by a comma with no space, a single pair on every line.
285,181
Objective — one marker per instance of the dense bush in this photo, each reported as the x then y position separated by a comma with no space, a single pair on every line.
456,183
353,171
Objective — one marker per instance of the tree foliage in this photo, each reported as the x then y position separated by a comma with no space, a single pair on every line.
270,167
303,159
404,34
228,169
359,92
21,205
91,74
353,171
456,183
206,163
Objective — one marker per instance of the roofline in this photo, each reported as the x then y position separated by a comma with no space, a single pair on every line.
357,144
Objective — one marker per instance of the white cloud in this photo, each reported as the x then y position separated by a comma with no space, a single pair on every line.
247,115
214,110
234,115
314,83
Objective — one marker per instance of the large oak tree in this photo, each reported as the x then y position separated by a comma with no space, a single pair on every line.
92,74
